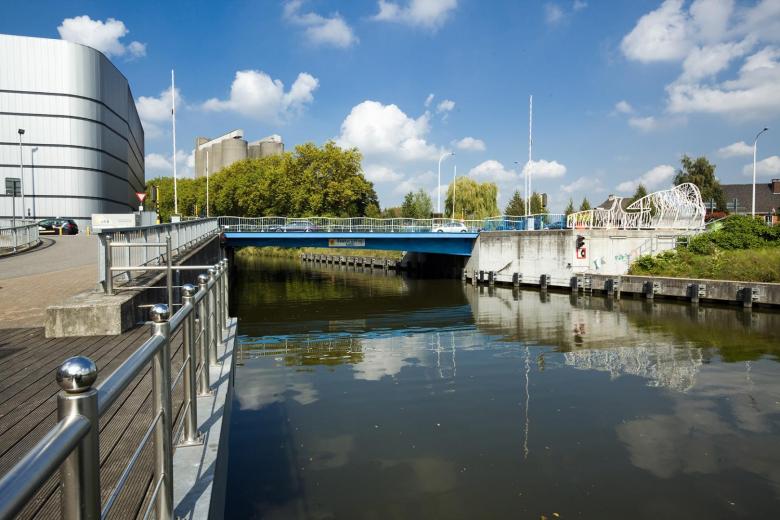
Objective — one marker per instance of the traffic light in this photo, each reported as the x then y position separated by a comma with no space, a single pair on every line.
580,241
582,253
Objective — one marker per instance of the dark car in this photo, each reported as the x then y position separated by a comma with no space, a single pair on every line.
58,226
296,225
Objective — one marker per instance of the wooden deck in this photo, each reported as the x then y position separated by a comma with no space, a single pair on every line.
28,409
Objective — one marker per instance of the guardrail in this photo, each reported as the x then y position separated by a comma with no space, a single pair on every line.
392,225
73,445
148,245
23,235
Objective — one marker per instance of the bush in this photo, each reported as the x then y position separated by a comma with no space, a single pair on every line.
737,232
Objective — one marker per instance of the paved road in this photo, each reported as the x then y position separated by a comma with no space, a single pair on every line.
33,280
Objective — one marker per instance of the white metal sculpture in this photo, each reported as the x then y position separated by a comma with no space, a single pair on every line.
680,207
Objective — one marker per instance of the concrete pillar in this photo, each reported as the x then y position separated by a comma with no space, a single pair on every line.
574,284
516,280
491,278
544,280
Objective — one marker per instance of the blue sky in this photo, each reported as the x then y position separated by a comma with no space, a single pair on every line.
621,89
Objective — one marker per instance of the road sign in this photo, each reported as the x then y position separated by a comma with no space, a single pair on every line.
582,253
141,196
13,186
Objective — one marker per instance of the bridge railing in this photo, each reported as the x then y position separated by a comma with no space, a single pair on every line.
17,236
183,236
392,225
73,444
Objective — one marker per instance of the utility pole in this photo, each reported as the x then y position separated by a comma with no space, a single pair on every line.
454,184
173,157
438,188
755,147
21,170
207,183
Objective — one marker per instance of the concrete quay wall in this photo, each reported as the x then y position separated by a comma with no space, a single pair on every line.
532,254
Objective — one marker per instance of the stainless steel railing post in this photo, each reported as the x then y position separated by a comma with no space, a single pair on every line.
226,282
190,435
222,313
80,473
169,270
212,316
204,385
161,406
108,260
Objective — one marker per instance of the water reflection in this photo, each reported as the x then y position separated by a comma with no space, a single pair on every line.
362,394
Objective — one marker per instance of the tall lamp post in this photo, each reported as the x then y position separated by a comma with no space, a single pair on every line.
21,170
755,146
438,191
454,185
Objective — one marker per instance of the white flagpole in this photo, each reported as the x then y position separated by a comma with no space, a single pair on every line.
207,183
454,184
528,191
173,157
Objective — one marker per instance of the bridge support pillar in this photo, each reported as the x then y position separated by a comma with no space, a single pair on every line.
491,278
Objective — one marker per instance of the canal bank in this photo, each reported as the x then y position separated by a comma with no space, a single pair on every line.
361,393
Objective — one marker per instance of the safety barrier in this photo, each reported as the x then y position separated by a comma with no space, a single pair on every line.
73,444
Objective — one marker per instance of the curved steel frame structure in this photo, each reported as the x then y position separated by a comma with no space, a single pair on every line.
680,207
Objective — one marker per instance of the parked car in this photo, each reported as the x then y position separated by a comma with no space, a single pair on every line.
53,225
556,225
451,227
296,225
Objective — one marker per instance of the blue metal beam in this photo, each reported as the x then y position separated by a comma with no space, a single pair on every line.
438,243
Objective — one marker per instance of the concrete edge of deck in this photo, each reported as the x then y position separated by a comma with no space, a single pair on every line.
199,472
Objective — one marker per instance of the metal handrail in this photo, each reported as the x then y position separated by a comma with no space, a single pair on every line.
392,225
73,444
23,235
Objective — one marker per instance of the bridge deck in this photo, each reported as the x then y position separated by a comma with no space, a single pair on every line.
28,362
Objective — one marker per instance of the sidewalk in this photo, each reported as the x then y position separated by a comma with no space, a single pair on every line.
33,280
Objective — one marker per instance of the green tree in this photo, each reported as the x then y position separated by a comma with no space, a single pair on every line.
516,205
569,207
701,172
417,205
537,205
394,212
585,204
310,180
473,200
640,192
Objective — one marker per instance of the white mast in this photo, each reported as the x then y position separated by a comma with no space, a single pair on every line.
207,183
454,184
173,157
528,193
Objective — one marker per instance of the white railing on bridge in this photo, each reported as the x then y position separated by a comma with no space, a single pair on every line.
392,225
184,235
18,235
680,207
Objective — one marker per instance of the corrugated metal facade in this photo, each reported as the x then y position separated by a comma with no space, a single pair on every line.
83,146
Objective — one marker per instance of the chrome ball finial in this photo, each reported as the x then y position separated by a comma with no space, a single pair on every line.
203,278
188,289
212,272
159,313
77,374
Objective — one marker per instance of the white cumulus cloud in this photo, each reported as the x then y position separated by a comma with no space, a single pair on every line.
445,105
254,93
471,144
430,14
493,170
379,173
543,169
428,100
624,107
653,179
321,30
646,124
100,35
162,165
738,149
660,35
768,166
155,111
379,129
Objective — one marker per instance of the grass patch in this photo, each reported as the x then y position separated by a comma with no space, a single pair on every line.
749,265
741,248
286,252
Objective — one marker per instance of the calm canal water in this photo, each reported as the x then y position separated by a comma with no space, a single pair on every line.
365,395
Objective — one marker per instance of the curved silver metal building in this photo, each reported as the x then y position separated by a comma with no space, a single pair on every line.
82,149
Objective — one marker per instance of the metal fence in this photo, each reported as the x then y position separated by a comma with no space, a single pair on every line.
392,225
18,237
150,248
73,444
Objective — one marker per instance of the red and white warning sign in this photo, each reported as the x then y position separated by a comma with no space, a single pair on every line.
141,196
582,253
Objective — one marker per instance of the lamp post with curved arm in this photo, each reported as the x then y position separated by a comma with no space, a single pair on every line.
438,190
755,145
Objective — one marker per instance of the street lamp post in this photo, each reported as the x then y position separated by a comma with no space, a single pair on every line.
755,145
454,185
21,170
438,191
